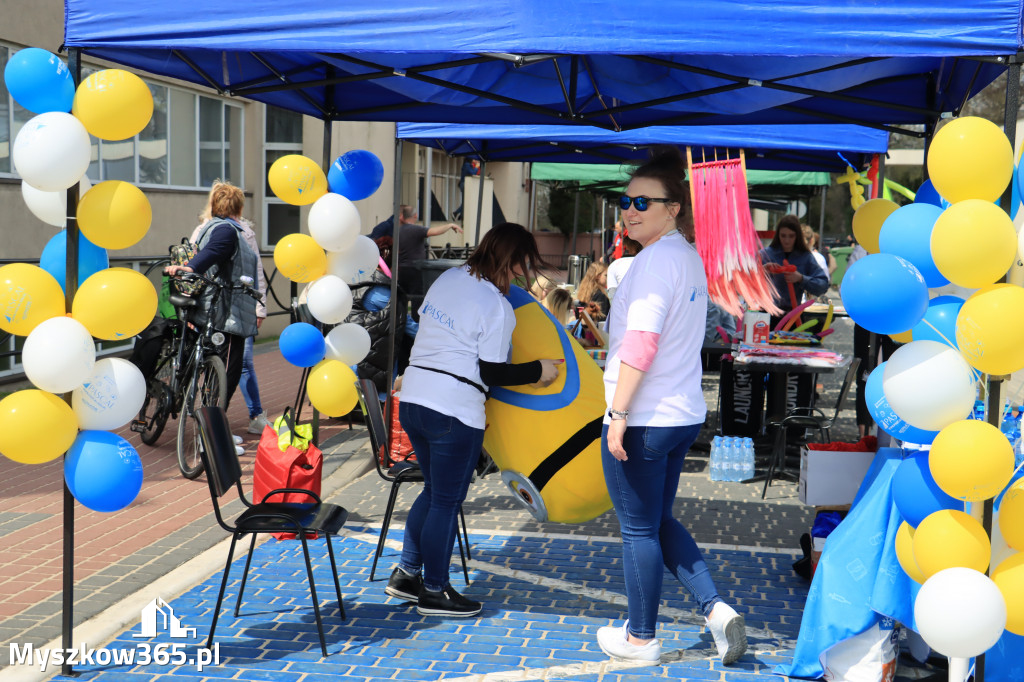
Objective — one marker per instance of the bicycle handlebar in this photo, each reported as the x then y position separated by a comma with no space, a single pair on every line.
244,286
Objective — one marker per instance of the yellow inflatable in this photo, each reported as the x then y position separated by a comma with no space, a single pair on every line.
547,442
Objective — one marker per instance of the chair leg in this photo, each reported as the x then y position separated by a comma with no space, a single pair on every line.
220,595
245,574
384,526
462,553
312,593
465,535
778,451
334,572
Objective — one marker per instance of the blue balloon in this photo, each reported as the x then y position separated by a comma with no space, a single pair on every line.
91,258
886,418
916,493
103,471
302,344
884,293
356,174
907,233
939,322
927,194
39,81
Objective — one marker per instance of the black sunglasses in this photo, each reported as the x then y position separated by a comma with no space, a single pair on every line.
640,202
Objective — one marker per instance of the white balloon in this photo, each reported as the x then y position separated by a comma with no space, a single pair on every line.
333,222
59,355
929,385
329,299
51,207
354,264
960,612
52,151
348,343
110,397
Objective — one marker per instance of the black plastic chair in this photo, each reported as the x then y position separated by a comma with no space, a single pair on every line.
223,472
809,418
396,473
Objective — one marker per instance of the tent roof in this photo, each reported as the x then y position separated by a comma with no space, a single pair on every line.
618,176
818,147
605,63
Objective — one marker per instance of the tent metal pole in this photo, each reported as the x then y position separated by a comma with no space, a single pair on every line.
604,205
532,218
479,199
821,218
575,220
393,308
428,191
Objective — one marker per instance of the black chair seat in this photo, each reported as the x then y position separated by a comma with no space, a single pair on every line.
265,518
407,471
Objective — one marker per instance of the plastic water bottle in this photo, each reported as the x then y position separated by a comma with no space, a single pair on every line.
747,460
732,459
979,410
1008,424
716,458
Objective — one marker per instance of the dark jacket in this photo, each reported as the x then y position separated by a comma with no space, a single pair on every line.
375,365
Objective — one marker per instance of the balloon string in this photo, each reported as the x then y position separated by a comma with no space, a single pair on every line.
974,372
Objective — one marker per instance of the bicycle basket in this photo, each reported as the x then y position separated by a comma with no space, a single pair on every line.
181,254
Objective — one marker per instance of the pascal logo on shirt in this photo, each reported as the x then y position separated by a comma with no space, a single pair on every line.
696,291
441,316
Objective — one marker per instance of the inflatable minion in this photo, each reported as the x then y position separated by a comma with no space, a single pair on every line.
547,441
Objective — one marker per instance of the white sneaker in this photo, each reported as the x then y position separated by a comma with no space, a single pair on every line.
239,450
729,631
257,423
238,439
614,642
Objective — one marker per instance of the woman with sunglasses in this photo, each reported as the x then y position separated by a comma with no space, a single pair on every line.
461,348
656,409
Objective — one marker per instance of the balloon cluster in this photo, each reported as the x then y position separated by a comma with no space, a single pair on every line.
51,153
952,233
329,259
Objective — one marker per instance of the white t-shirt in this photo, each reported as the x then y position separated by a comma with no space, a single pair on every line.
462,320
666,293
617,270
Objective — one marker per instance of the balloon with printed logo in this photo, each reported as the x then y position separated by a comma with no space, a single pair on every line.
916,494
28,295
35,426
301,344
939,322
949,538
971,460
348,343
333,222
973,243
113,104
886,417
926,194
51,207
355,174
960,612
970,158
868,219
907,233
355,264
329,299
989,329
331,388
297,180
59,355
1009,578
52,151
103,471
115,304
91,258
905,553
929,385
299,258
110,397
1011,516
39,81
114,215
884,293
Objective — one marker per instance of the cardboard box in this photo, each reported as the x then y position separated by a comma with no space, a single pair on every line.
831,478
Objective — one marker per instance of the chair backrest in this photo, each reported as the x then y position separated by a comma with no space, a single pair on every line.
848,380
218,450
378,432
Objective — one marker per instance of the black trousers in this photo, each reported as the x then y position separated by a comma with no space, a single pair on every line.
232,352
862,350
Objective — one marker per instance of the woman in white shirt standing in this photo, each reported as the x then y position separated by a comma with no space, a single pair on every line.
461,348
656,409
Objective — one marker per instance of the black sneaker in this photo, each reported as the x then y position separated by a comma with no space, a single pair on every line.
401,585
447,602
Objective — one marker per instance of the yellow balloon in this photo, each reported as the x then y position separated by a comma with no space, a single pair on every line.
113,104
973,243
970,158
35,426
297,180
331,388
868,219
1009,578
971,460
1011,516
28,295
905,553
115,304
114,215
990,327
949,538
902,337
299,258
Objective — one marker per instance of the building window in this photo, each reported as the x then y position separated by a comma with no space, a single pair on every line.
12,117
282,135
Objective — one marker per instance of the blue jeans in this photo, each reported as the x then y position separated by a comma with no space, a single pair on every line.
447,450
248,384
643,489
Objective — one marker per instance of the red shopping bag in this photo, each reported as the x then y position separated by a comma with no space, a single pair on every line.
401,448
286,459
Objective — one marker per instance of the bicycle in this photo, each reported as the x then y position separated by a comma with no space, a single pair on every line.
189,375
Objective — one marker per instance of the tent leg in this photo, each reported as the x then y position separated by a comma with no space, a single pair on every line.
479,200
393,308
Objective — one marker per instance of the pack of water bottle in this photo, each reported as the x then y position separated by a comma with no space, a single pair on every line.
732,458
1011,428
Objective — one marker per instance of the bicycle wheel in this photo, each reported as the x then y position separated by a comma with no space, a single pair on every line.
155,410
209,388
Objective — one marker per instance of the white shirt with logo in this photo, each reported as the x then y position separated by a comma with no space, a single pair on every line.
462,320
665,293
617,270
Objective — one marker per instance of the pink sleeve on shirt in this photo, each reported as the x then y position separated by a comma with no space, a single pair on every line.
638,348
